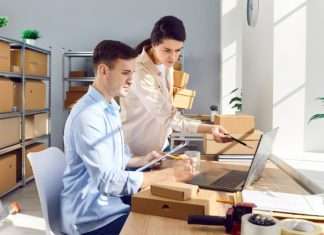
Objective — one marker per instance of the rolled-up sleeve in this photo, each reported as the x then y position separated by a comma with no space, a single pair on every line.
183,124
95,147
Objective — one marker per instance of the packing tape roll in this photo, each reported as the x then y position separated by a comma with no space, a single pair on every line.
299,227
249,228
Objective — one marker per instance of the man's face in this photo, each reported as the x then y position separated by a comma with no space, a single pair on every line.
168,52
121,77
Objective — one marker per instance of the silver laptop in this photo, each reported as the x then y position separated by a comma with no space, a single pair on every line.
233,180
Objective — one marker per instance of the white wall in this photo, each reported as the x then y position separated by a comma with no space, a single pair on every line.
314,132
231,44
282,72
80,25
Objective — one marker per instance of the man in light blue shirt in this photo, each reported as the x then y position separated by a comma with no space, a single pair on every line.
96,177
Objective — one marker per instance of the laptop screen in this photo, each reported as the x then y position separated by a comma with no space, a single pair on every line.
261,156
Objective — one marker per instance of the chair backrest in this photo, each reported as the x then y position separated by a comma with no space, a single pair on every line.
48,167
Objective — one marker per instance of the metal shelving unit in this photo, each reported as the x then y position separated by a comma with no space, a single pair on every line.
67,68
22,77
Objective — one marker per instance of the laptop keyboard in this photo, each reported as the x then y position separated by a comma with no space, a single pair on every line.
231,179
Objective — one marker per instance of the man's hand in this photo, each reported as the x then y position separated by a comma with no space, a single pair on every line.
220,134
150,157
183,170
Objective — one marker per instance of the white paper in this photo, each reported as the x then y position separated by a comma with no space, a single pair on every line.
286,202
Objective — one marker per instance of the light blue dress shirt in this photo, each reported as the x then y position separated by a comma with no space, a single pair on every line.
95,177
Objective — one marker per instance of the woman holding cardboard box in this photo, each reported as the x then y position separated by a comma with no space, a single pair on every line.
147,112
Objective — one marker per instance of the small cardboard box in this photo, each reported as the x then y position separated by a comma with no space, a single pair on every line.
203,204
252,139
4,56
180,79
35,62
77,74
74,94
183,98
7,97
32,149
8,169
236,123
9,131
174,190
36,125
35,95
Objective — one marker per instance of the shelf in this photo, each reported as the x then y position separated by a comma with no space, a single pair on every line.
35,48
81,79
29,179
10,115
9,149
32,112
19,75
10,75
9,40
19,184
37,140
79,54
37,77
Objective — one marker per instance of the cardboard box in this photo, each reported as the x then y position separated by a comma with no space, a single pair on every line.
7,97
8,169
203,204
174,190
183,98
32,149
4,57
77,74
9,131
180,79
252,139
236,123
35,62
74,94
36,125
35,95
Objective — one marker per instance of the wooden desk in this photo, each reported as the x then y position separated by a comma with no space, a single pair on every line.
272,179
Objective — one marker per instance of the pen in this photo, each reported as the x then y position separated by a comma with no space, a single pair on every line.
239,141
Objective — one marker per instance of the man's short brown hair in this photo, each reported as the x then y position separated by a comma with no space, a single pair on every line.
108,51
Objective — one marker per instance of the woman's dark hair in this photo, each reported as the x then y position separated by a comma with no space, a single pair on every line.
168,27
108,51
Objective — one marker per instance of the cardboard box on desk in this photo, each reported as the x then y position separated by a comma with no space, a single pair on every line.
8,169
250,138
236,123
36,125
7,97
32,149
183,98
9,131
35,95
180,79
146,203
35,62
4,56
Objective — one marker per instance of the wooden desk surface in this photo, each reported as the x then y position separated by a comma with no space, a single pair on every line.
272,179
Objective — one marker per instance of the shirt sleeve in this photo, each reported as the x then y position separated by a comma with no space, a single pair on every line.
149,94
183,124
95,147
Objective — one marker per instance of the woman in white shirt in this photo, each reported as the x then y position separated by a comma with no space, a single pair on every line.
147,112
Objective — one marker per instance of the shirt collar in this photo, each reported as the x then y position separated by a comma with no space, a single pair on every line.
100,99
147,62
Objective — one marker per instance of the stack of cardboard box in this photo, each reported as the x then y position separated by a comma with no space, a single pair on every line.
73,95
35,64
182,97
241,127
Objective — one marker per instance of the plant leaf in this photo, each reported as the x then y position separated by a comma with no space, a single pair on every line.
234,90
237,106
236,98
316,116
321,99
